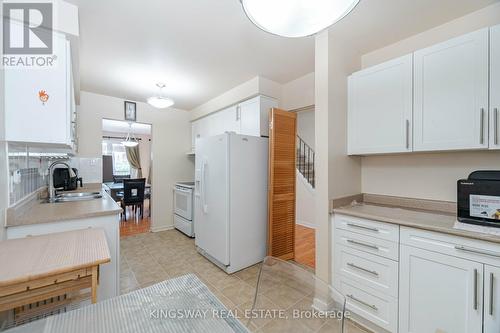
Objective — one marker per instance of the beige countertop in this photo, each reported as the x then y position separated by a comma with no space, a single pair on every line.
421,219
37,211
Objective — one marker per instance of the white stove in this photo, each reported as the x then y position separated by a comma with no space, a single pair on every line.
183,207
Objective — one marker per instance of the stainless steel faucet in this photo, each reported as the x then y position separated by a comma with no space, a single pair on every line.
52,190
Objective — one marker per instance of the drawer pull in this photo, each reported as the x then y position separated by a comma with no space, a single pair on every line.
492,285
486,253
362,302
475,289
362,227
371,246
362,269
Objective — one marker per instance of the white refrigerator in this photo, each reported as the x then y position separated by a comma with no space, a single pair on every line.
231,173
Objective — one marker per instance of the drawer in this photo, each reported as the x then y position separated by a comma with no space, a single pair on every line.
368,244
387,231
369,270
375,308
466,248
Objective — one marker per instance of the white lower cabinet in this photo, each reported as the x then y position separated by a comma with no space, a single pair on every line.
439,293
437,283
365,270
491,299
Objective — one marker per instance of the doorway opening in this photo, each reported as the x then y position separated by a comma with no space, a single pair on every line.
305,229
127,172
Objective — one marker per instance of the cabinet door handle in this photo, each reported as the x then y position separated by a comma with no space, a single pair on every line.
362,269
481,131
407,134
492,285
371,246
484,253
495,124
475,289
352,225
237,113
362,302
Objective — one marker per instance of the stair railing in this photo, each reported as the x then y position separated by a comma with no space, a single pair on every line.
305,161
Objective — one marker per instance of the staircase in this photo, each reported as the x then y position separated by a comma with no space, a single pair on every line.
305,161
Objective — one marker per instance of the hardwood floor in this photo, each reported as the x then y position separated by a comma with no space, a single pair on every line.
305,246
135,224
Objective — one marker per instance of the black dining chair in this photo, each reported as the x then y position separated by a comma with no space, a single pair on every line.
133,195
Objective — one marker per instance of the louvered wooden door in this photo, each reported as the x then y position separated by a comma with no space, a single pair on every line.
282,150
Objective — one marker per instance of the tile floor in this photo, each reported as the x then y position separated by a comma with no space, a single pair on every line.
149,258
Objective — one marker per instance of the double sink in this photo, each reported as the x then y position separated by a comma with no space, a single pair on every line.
80,196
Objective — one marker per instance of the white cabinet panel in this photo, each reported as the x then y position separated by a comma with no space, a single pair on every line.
451,94
37,100
369,270
249,113
495,87
380,108
491,299
377,308
231,119
439,293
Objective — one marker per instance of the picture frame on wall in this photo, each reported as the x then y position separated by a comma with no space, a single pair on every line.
130,111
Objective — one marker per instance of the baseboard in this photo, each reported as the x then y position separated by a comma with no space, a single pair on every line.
305,224
162,228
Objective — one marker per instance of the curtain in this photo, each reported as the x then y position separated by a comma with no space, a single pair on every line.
134,159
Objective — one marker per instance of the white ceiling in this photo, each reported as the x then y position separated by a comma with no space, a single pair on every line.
117,126
201,48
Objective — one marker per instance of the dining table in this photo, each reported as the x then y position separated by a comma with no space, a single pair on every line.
114,188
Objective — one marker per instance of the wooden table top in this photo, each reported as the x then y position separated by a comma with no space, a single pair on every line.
36,257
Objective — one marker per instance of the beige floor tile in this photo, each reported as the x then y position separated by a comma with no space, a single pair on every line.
239,293
284,296
285,326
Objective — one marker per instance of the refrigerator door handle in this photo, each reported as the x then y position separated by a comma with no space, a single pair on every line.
202,186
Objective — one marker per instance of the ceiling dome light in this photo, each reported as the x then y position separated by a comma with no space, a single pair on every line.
296,18
159,101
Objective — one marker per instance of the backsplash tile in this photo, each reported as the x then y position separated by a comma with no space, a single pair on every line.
28,170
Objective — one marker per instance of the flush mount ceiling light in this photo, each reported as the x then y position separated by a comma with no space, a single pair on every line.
159,101
131,140
296,18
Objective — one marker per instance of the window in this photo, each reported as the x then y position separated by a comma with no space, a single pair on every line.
121,166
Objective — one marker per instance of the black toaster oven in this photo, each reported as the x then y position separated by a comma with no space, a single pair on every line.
478,198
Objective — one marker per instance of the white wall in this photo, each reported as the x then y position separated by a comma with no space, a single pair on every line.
305,126
4,186
429,176
171,133
298,93
256,86
304,206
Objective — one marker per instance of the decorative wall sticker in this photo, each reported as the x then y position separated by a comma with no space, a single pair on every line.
43,96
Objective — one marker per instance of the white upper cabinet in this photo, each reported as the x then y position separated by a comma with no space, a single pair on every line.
38,100
451,94
380,108
249,114
250,117
495,87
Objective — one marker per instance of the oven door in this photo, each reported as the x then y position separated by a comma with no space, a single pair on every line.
183,202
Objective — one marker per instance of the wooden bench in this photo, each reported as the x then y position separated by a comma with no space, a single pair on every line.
38,268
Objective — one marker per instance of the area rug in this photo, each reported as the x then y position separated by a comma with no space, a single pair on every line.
182,304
